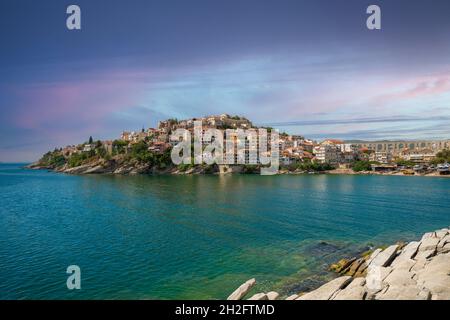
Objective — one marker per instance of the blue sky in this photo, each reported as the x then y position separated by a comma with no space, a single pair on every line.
306,67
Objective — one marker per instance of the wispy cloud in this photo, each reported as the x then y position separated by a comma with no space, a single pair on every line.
358,121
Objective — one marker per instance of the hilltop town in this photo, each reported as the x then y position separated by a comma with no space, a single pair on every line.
148,151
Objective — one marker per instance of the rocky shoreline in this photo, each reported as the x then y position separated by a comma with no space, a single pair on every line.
120,167
116,167
418,270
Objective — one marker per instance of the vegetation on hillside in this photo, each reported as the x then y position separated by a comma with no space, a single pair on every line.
53,158
404,163
121,151
310,166
359,166
442,157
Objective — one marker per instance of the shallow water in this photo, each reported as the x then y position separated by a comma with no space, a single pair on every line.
198,237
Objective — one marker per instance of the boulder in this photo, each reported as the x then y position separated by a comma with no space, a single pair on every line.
444,249
259,296
409,292
428,235
385,257
421,262
94,170
427,247
354,267
435,277
240,292
408,252
444,241
375,277
77,170
401,274
362,271
326,291
429,243
341,265
442,233
272,295
373,255
419,271
354,291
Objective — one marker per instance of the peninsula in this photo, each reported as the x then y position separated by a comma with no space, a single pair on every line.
148,151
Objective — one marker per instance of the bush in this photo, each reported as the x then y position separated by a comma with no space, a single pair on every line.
101,151
442,157
362,166
53,159
57,160
140,152
406,163
119,146
77,159
313,166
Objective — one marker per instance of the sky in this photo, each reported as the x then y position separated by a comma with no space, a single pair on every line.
306,67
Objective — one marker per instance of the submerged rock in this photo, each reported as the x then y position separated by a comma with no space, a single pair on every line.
341,265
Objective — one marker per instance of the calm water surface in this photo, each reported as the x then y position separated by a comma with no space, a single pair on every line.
198,237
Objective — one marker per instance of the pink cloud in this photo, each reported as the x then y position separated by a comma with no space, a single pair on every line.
420,87
85,100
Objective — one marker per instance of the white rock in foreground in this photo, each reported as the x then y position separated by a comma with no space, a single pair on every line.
240,292
272,295
385,257
408,252
326,291
259,296
435,277
354,291
419,271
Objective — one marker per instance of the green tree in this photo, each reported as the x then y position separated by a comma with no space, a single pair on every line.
442,157
140,152
362,166
119,146
77,159
406,163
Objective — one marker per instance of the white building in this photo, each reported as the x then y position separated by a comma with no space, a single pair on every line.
328,153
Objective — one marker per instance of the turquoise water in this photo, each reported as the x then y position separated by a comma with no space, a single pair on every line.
198,237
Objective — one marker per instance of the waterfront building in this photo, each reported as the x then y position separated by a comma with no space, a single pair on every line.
396,147
418,156
328,153
381,157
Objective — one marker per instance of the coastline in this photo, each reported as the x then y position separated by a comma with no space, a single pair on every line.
418,270
102,169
